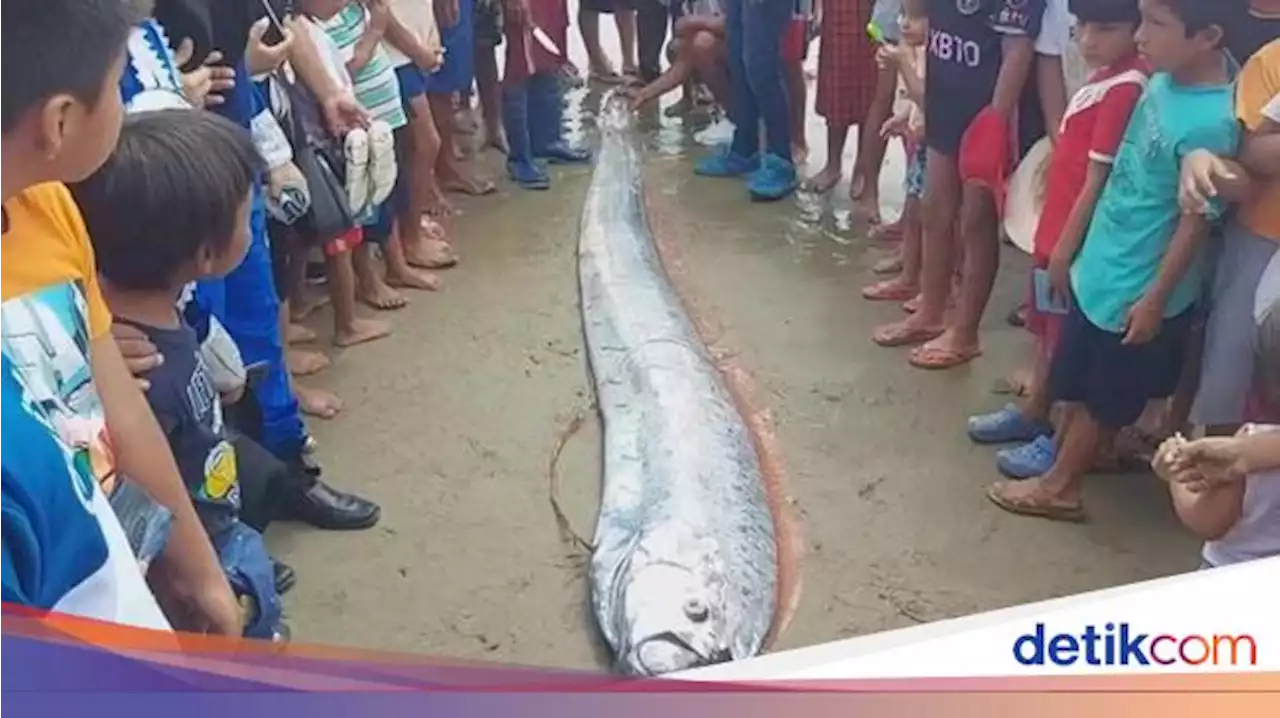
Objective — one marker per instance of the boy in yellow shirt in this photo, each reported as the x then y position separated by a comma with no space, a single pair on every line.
73,415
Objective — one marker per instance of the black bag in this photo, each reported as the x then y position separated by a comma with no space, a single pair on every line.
318,156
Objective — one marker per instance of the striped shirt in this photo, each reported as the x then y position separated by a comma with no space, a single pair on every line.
375,83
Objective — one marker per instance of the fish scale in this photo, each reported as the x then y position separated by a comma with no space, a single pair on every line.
684,570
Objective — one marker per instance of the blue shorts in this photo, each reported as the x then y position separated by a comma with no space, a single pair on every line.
458,71
1115,381
412,83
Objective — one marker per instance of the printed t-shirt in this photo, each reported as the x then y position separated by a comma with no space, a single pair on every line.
189,410
965,53
1138,211
1092,127
1257,87
376,86
63,547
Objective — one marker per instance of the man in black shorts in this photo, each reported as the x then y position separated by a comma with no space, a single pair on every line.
624,16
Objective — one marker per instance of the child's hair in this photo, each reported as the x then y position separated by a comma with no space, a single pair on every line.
919,8
52,47
1198,15
173,185
1106,11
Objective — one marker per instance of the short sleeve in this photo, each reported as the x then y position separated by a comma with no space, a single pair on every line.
1019,17
1055,30
1258,86
77,239
1112,121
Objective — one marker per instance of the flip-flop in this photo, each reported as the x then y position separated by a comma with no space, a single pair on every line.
912,305
926,357
356,149
890,290
382,162
1053,512
901,335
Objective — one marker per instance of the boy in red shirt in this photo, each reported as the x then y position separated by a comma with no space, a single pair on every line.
1088,138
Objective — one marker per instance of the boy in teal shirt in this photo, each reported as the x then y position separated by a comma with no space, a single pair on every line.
1139,272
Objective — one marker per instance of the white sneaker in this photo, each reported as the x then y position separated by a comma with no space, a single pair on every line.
717,134
382,162
356,148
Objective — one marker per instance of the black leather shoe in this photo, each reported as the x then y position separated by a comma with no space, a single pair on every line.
286,578
327,508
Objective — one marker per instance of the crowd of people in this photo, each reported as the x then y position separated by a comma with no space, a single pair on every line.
180,174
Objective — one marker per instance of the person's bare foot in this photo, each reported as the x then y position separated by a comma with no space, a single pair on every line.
823,181
468,186
300,309
430,254
799,152
948,351
431,229
361,331
436,204
298,334
866,206
305,363
317,402
891,232
412,278
379,295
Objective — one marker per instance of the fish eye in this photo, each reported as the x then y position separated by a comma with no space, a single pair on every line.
696,610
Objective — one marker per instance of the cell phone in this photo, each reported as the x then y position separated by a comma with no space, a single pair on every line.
275,32
1046,302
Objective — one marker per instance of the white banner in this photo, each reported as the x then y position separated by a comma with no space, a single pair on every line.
1220,620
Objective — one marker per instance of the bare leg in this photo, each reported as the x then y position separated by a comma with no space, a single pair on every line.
426,154
625,20
1061,488
599,66
939,207
707,54
348,328
490,91
451,171
400,273
864,188
798,96
830,175
371,288
978,232
420,248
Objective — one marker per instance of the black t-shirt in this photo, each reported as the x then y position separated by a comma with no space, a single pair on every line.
189,410
1250,33
964,57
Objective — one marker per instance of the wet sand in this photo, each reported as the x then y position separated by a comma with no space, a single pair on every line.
452,421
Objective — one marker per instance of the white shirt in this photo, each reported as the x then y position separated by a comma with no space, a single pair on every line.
1268,290
1257,533
419,18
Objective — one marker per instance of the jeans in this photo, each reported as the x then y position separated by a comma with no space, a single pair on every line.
246,303
754,32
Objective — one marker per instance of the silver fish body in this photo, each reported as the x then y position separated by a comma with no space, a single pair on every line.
684,569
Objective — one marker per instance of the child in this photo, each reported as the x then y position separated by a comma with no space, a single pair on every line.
413,45
908,57
1136,279
697,50
1088,139
456,21
73,416
753,32
531,106
1251,239
981,53
147,256
847,92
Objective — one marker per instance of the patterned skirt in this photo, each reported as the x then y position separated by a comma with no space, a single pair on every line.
847,71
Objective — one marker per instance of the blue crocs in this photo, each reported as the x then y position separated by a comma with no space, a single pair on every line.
726,163
1006,426
775,179
528,174
1028,460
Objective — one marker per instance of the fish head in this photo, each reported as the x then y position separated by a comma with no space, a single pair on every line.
673,621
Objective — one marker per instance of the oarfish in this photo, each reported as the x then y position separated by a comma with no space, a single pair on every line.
684,569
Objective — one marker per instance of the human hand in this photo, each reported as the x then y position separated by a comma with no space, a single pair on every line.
379,16
205,606
1197,181
1060,273
203,86
898,125
888,57
262,57
430,59
1142,322
140,354
343,113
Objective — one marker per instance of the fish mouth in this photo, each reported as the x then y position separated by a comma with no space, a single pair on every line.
668,652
